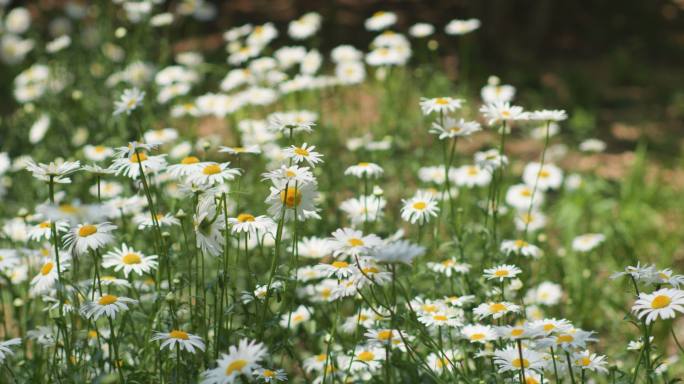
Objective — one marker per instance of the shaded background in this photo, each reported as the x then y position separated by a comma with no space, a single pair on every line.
616,65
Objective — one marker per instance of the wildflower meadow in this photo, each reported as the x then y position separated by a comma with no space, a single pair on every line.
273,209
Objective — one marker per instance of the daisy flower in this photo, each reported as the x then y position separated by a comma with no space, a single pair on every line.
144,220
314,248
293,319
449,267
97,152
502,272
477,333
107,305
270,375
380,20
131,99
339,269
43,230
509,359
400,251
666,276
48,275
445,317
471,176
352,243
364,169
129,260
663,303
239,361
250,224
294,121
550,326
294,175
590,361
587,242
212,174
186,166
490,159
549,115
5,350
89,237
383,337
249,149
521,247
364,208
546,293
502,111
293,200
421,30
542,177
182,339
531,221
130,165
520,196
453,128
419,209
517,332
56,172
367,357
495,309
442,105
461,27
494,91
572,338
304,153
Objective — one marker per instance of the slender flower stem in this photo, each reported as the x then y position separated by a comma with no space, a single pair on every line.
572,375
522,364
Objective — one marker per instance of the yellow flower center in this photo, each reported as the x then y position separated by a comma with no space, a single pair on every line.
515,332
44,224
385,335
517,363
363,164
138,157
99,149
366,356
92,334
107,299
440,318
236,365
564,339
419,205
477,336
355,242
291,198
245,217
298,317
176,334
442,101
370,270
268,373
87,230
211,169
549,327
544,174
131,258
340,264
660,301
520,243
501,273
584,361
301,152
505,114
46,268
473,171
497,307
526,192
429,308
68,208
190,160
